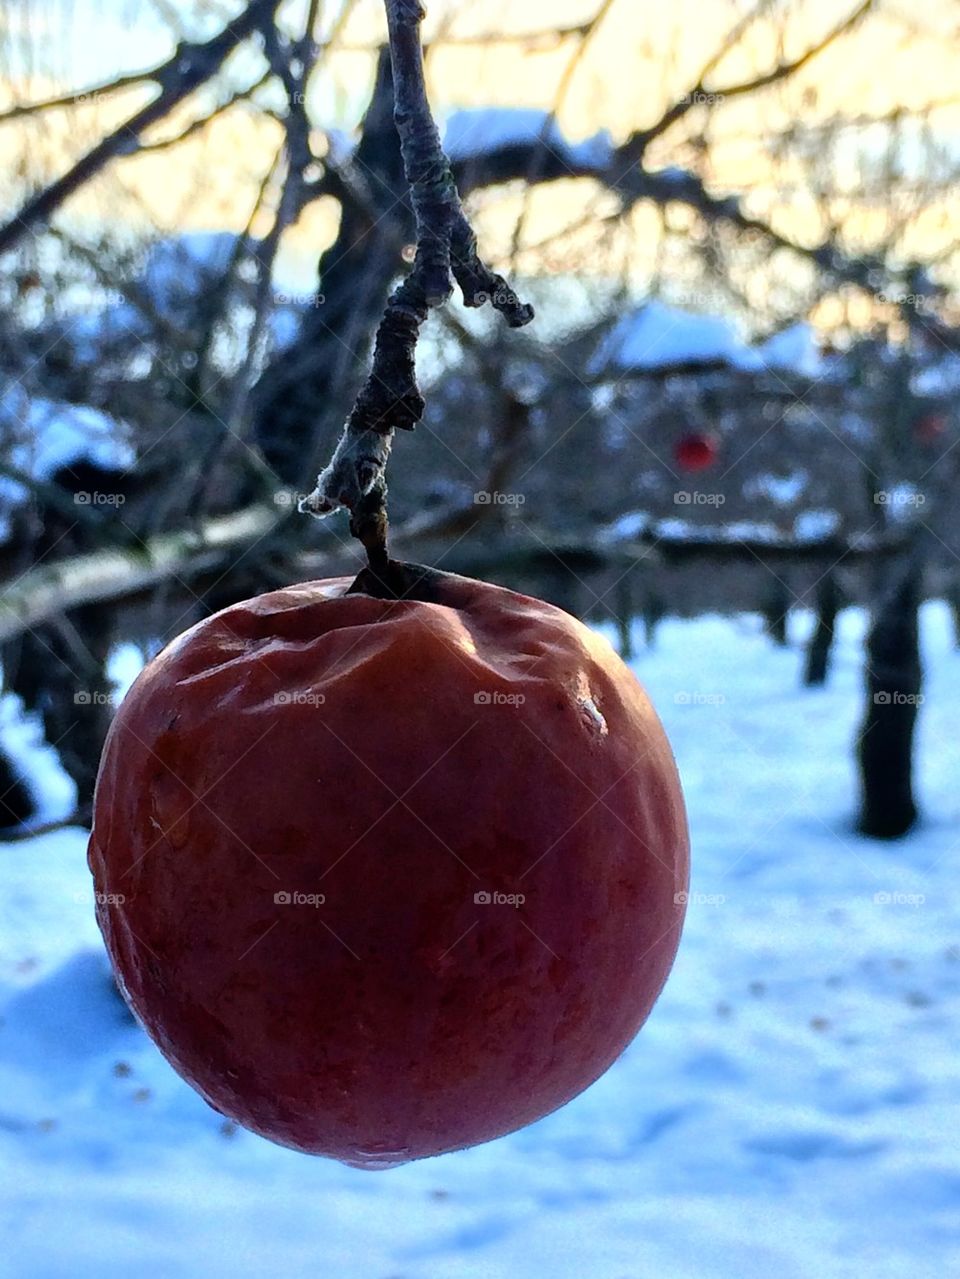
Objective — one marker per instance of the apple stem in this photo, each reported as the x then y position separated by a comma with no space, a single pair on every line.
397,580
390,399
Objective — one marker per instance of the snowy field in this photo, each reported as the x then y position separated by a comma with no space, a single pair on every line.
790,1110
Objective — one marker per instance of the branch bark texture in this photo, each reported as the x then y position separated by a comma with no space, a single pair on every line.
390,399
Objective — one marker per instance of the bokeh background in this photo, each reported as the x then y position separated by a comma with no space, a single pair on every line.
728,441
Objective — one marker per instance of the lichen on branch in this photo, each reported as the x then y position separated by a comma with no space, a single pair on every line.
390,399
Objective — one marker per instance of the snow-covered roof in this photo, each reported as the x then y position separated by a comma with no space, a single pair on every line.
482,130
731,531
782,490
176,272
792,350
175,260
93,333
660,336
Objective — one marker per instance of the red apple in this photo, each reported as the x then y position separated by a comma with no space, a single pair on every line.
695,451
930,428
387,878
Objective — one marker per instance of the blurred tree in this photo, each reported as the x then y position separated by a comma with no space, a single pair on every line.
747,182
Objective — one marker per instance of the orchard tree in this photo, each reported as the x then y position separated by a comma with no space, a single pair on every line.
235,391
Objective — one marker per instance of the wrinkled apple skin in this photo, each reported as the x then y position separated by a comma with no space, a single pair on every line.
317,743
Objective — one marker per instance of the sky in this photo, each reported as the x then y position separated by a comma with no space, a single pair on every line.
640,59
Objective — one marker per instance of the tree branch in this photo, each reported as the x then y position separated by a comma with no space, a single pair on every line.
191,66
52,588
446,246
783,71
81,96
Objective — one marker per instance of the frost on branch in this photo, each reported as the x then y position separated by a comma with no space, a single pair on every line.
446,251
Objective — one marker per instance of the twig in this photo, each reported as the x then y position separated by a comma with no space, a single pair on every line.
700,92
80,97
198,125
539,155
446,245
191,66
20,834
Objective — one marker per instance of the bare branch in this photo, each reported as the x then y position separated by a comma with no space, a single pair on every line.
55,586
540,153
198,125
446,246
20,834
783,71
46,591
81,96
191,66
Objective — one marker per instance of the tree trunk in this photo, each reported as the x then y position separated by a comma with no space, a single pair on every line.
60,673
16,802
775,609
893,683
301,400
821,641
623,613
653,614
953,601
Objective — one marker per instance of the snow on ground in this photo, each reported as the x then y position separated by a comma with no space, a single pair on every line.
789,1110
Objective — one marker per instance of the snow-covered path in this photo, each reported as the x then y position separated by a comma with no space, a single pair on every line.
791,1108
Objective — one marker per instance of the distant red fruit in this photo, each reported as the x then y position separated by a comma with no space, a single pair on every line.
696,451
386,878
930,428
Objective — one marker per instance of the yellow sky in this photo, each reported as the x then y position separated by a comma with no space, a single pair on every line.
640,59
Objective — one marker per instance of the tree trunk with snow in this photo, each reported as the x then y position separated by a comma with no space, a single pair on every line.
953,601
775,607
893,683
821,641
